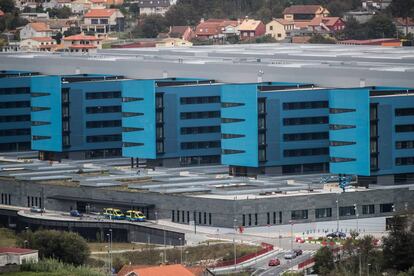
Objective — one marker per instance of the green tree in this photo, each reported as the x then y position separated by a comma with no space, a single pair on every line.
324,262
64,12
404,9
7,6
152,25
398,247
320,39
67,247
381,26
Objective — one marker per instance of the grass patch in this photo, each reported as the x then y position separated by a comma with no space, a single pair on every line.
7,238
101,247
198,255
51,267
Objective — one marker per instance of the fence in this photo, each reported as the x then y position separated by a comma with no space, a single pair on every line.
306,263
265,248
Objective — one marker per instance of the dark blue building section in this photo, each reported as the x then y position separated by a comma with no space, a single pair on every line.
77,116
15,110
372,134
172,122
275,128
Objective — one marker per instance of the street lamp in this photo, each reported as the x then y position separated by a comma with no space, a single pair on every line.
357,216
234,242
181,251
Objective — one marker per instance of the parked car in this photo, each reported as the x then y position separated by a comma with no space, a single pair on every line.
290,255
75,213
133,215
298,252
112,213
274,262
336,234
36,209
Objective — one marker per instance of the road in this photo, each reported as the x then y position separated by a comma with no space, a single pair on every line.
265,270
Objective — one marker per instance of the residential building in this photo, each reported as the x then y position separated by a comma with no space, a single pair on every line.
17,256
375,4
274,128
153,6
37,29
371,134
82,43
279,28
359,16
44,44
15,110
172,122
98,4
304,12
404,26
114,3
183,32
77,116
170,270
103,21
250,28
173,42
326,24
213,28
80,6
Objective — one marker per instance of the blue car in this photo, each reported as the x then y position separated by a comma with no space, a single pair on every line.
75,213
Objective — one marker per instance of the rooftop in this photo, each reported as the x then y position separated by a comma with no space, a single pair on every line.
99,13
324,65
302,9
16,250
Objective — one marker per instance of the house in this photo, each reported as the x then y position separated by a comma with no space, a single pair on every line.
173,42
405,26
61,25
34,16
213,28
375,4
359,16
82,43
36,29
153,6
279,28
18,256
63,3
103,21
250,28
114,2
304,12
43,44
98,4
80,6
328,24
163,270
183,32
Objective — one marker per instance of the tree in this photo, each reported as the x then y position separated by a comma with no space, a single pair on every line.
404,9
72,31
320,39
381,26
324,262
7,6
63,12
67,247
152,25
398,247
58,37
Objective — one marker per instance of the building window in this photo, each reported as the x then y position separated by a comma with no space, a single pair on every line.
199,217
280,217
103,109
188,216
172,215
230,151
250,219
341,159
404,128
340,143
16,104
323,213
14,118
268,218
305,105
231,120
182,216
244,219
368,209
104,138
346,211
103,124
305,121
256,221
274,217
404,144
404,112
227,104
200,130
209,218
231,136
103,95
199,115
38,137
339,127
340,110
205,218
305,152
305,136
404,161
200,100
299,214
386,208
14,90
200,145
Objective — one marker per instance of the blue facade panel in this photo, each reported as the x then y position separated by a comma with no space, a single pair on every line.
47,110
349,133
240,119
138,134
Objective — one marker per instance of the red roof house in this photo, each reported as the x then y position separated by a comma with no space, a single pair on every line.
213,27
250,28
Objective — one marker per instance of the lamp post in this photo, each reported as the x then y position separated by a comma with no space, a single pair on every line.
181,251
234,243
357,216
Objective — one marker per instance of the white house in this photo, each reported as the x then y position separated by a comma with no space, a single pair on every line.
103,21
36,29
82,43
44,44
153,6
13,255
